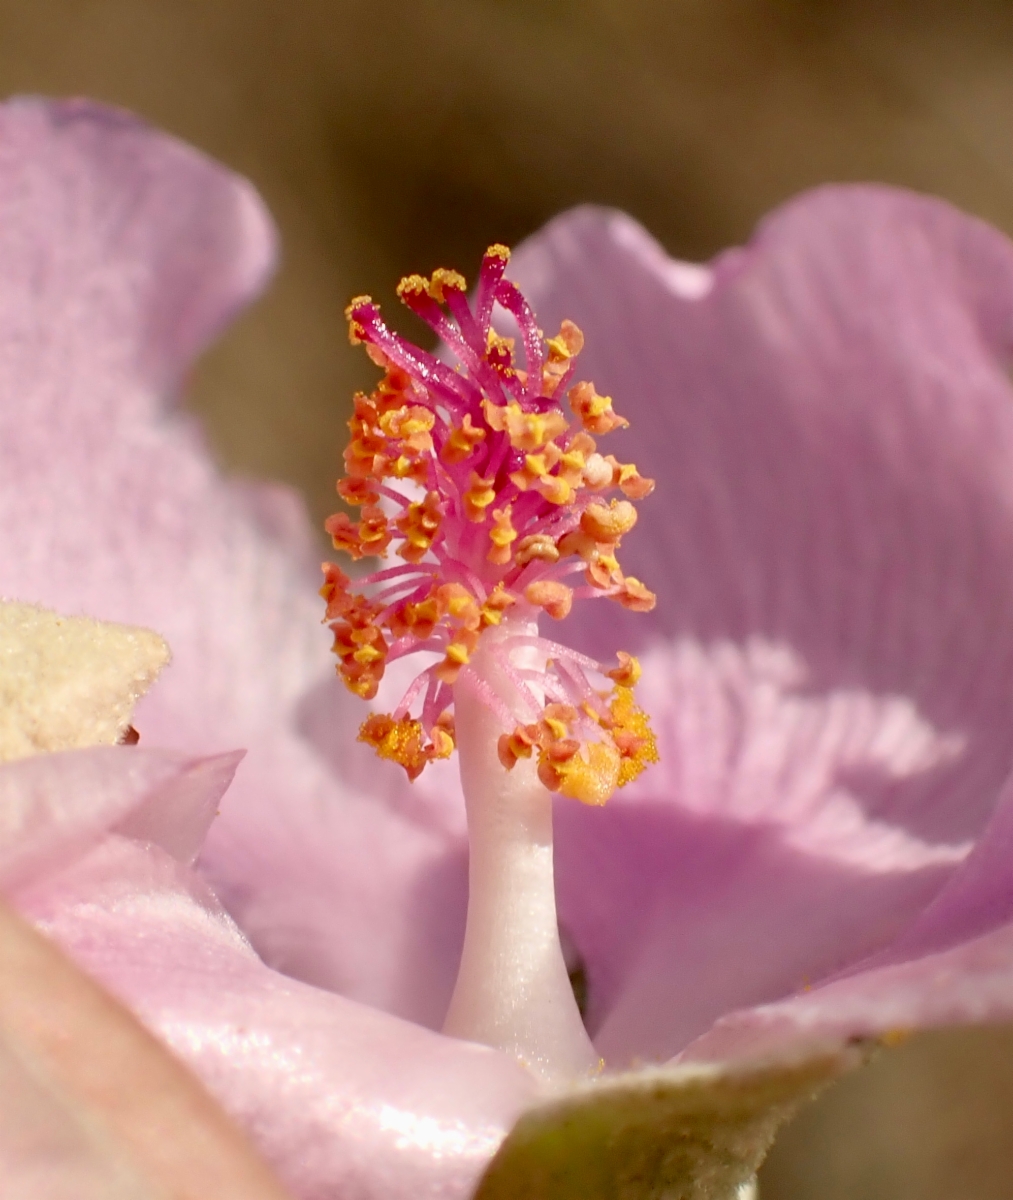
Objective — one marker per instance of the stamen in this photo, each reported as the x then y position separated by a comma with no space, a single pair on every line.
515,501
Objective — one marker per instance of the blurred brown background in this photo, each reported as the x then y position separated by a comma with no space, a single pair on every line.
398,135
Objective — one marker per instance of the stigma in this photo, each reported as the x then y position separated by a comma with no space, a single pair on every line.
486,482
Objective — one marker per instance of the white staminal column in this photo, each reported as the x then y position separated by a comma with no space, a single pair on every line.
513,991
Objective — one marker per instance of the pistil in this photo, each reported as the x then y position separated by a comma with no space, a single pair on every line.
495,498
513,990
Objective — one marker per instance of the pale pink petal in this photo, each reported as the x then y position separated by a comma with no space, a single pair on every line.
828,414
54,806
969,984
341,1099
121,253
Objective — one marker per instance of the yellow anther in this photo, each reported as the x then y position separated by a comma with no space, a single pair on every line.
459,603
480,494
608,524
420,524
356,333
636,597
462,441
631,731
412,285
399,741
496,250
444,281
496,604
526,431
594,411
555,489
536,545
590,776
554,597
628,673
501,535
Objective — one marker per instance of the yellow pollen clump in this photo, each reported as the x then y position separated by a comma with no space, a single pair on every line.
591,775
631,731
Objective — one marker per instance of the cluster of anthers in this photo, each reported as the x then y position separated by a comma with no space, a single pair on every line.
495,499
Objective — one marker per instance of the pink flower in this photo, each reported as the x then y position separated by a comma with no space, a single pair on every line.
821,853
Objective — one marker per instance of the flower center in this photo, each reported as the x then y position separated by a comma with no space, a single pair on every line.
500,504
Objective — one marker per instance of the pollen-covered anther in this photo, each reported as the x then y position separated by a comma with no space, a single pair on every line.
401,741
628,673
344,533
527,431
635,596
420,523
548,594
412,285
496,604
501,536
410,424
608,524
590,774
358,491
516,745
462,441
444,281
458,654
632,734
536,546
356,332
499,353
595,412
630,482
480,494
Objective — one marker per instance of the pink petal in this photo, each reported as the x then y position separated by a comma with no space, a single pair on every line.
341,1100
91,1106
121,253
827,412
54,806
969,984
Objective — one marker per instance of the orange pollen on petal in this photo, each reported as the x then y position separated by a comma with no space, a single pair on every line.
556,598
